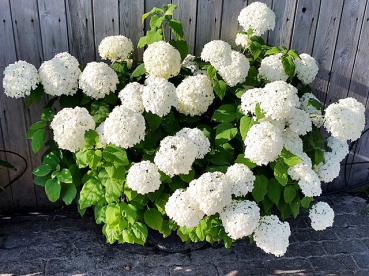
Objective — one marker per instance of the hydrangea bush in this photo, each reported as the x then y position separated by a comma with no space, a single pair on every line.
218,147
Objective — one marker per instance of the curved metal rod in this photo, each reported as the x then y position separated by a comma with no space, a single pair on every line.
18,176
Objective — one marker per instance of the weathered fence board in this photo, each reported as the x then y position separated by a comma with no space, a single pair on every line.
335,32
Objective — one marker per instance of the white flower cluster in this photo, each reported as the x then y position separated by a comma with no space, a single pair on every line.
131,97
218,53
315,114
19,79
241,178
124,127
338,147
264,143
258,17
212,191
306,68
98,80
100,131
143,177
115,48
272,235
243,40
59,76
237,71
345,119
189,63
197,137
271,68
240,218
195,95
330,169
158,96
299,121
183,209
321,215
250,99
162,60
69,126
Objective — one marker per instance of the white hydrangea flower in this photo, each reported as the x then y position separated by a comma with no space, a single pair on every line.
69,126
243,40
59,76
115,48
100,131
176,155
158,96
292,142
250,99
212,191
240,218
315,114
299,122
280,100
258,17
271,68
98,80
321,215
143,177
330,169
338,147
131,97
162,60
19,79
183,209
345,119
272,235
264,142
218,53
197,137
241,178
124,127
308,180
306,68
189,63
237,71
195,94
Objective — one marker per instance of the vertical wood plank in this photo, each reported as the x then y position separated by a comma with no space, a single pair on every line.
285,15
81,30
130,22
306,18
209,16
149,4
269,3
230,26
186,13
106,21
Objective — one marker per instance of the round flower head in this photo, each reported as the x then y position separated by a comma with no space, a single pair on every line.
212,191
124,127
69,126
19,79
195,94
237,71
218,53
250,99
308,180
271,68
100,131
321,215
197,137
131,97
162,60
306,105
115,48
264,143
183,209
306,68
272,235
243,40
258,17
176,155
339,148
345,119
280,100
240,218
59,76
292,142
299,121
330,169
158,96
98,80
143,177
241,178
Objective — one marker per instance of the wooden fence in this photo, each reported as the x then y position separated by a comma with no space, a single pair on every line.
335,32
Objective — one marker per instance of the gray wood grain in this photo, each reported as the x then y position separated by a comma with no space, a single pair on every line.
230,26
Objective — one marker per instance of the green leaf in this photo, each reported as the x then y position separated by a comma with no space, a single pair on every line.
267,205
181,46
252,78
188,177
295,206
99,111
81,158
319,156
220,88
176,27
52,189
113,190
91,138
288,66
274,190
305,202
142,42
119,68
118,174
260,188
129,236
225,113
246,123
165,229
293,53
35,95
258,112
129,212
289,158
139,71
112,214
241,159
111,234
115,155
51,159
272,51
64,176
93,158
280,173
99,212
153,218
68,192
153,120
255,49
161,201
140,231
211,72
91,193
224,132
69,101
129,193
111,98
222,155
289,193
42,170
38,140
169,9
47,114
154,36
315,103
156,21
41,181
